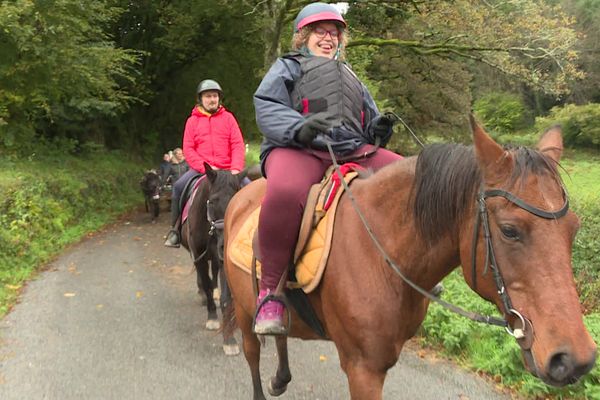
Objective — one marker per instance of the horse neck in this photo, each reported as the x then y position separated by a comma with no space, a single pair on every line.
384,198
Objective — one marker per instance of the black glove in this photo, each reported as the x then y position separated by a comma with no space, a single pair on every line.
313,125
383,125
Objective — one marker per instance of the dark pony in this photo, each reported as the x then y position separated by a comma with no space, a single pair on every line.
202,236
500,213
150,184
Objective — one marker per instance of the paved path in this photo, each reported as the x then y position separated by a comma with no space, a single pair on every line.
117,317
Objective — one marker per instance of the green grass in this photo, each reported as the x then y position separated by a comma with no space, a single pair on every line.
489,349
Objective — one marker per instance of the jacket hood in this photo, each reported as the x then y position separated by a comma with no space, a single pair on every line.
196,112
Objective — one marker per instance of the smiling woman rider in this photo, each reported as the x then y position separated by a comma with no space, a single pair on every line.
308,97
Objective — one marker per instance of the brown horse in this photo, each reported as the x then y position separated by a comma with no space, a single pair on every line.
424,213
202,236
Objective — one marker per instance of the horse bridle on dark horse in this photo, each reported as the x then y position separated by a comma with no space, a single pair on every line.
524,334
215,231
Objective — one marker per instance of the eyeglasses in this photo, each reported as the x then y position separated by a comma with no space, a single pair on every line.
321,33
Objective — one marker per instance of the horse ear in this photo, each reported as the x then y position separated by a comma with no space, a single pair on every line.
551,143
210,173
493,159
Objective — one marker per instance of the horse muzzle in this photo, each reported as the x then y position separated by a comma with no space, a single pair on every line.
561,368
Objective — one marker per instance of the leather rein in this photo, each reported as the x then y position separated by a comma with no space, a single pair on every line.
523,335
216,227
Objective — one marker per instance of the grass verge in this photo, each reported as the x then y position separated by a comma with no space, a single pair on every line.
46,204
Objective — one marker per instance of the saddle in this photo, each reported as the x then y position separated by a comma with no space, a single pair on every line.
314,240
187,196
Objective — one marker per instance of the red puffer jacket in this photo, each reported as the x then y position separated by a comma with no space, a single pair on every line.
215,138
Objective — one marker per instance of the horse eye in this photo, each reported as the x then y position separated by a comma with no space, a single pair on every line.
509,232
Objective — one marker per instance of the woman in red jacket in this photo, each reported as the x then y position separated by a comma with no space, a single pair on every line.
211,135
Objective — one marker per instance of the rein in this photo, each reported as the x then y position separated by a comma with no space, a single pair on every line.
524,335
215,225
468,314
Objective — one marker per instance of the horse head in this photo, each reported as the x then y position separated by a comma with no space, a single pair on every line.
517,254
150,183
223,186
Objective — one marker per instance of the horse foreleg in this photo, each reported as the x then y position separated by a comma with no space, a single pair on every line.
230,345
215,267
251,346
365,383
204,282
278,383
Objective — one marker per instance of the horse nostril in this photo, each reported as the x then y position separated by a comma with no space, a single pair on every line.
561,367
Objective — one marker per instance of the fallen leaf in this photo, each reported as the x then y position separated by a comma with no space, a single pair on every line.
72,268
69,294
99,306
137,238
139,294
322,358
12,287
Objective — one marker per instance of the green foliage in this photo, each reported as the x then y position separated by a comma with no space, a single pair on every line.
60,72
581,179
580,124
501,112
47,203
252,154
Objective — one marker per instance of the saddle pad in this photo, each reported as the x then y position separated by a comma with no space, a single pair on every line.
313,258
190,200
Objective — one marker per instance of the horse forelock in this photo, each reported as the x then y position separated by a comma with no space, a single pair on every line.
447,178
531,161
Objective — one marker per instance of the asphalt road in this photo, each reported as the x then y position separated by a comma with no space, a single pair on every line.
117,316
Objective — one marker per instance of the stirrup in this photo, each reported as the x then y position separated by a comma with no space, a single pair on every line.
168,243
280,299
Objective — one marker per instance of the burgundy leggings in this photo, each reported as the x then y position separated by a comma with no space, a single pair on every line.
290,175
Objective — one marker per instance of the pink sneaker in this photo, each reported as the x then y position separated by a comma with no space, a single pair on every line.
269,320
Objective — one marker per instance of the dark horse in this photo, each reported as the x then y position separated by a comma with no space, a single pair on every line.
491,209
150,184
202,236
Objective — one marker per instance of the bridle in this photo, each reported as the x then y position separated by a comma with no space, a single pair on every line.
215,231
524,334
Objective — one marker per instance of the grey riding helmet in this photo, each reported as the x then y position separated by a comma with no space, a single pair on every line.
209,84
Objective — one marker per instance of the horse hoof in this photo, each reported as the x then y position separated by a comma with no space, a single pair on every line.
213,325
231,349
275,391
216,294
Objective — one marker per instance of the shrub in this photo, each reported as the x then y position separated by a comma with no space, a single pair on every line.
502,112
580,124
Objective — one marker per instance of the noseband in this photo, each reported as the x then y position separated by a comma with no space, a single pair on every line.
523,335
215,224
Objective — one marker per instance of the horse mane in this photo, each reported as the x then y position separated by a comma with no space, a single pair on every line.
225,179
447,178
